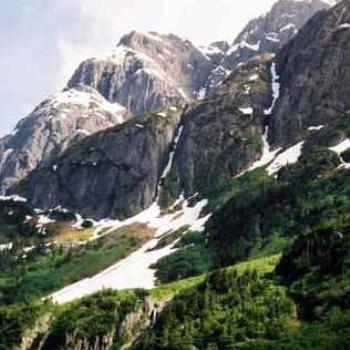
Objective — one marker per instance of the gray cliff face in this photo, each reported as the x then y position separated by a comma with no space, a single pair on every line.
314,70
266,34
54,125
222,134
113,173
147,72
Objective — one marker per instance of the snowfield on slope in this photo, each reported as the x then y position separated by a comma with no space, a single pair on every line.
134,271
289,156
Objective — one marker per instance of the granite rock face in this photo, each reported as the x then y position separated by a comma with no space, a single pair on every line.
147,72
222,134
54,125
314,75
113,173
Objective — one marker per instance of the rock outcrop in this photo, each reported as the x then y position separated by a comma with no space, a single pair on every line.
147,71
34,338
113,173
222,134
55,124
314,74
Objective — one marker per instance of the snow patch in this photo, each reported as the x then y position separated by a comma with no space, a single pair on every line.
341,147
182,92
289,156
247,110
134,271
316,128
87,100
287,27
29,249
7,246
78,221
244,45
152,35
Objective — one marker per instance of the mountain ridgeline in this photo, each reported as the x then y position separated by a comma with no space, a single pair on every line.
210,184
222,133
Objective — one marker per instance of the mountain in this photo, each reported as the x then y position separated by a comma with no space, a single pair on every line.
267,34
309,128
223,132
313,71
129,180
223,221
148,71
228,124
113,173
55,124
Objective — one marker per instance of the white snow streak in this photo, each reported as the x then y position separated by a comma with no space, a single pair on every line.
268,156
275,86
172,153
339,149
316,128
14,198
344,26
244,45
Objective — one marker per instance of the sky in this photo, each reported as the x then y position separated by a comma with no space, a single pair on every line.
43,41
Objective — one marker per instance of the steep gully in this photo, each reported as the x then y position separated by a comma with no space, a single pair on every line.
275,159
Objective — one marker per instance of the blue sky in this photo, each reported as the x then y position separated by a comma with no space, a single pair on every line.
43,41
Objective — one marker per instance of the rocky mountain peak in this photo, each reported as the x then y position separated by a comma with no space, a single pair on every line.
147,72
51,127
266,34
